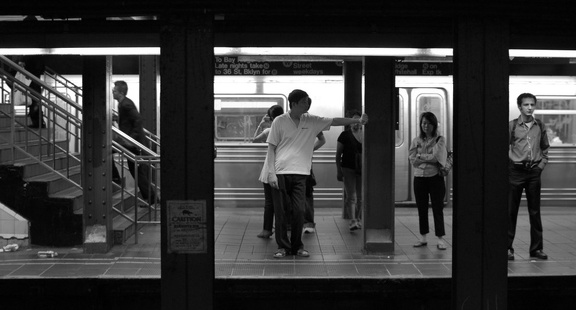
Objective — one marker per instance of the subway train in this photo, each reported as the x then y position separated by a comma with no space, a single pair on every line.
242,101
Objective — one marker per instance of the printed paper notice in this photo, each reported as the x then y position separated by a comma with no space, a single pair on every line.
187,227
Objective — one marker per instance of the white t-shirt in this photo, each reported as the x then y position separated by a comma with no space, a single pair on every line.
294,146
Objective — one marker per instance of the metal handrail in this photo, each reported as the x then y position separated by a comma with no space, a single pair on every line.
65,122
57,138
150,136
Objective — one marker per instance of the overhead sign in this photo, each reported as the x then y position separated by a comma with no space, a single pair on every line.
225,65
230,66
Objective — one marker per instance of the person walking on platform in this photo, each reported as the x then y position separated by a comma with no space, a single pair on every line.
427,151
528,156
349,171
130,122
290,148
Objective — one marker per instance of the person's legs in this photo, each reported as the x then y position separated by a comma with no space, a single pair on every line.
358,211
116,178
516,180
421,195
351,195
143,179
309,224
35,110
437,193
268,212
280,200
296,189
533,188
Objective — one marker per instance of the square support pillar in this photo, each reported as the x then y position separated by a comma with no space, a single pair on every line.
187,115
480,218
378,155
352,85
97,153
148,69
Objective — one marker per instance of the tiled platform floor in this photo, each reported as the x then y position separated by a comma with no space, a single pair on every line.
335,252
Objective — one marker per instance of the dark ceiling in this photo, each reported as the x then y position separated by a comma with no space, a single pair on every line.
366,23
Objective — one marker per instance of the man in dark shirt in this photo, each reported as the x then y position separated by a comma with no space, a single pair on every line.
528,155
35,65
130,122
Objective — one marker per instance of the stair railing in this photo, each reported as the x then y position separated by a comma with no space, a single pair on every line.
146,159
63,117
63,128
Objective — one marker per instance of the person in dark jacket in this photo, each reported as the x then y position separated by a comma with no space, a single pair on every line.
130,123
35,65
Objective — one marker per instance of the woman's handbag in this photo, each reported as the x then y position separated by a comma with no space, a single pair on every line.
445,170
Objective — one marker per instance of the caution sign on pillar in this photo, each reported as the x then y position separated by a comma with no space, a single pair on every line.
187,226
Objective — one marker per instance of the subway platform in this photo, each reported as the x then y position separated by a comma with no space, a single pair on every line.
245,266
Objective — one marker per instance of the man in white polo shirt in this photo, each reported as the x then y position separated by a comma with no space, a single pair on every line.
290,148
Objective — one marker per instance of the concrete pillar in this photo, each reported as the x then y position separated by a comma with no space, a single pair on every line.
479,272
97,153
378,155
148,68
352,85
187,112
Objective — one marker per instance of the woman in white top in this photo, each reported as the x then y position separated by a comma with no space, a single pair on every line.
427,152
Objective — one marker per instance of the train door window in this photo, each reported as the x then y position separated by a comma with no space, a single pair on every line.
236,117
434,103
559,116
400,131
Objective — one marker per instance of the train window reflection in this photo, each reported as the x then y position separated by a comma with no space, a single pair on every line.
559,116
399,132
236,117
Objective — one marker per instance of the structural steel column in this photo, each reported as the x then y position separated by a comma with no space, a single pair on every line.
97,153
480,217
352,86
148,66
187,115
378,153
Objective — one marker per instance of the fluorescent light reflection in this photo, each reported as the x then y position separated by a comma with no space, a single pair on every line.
543,53
331,51
283,51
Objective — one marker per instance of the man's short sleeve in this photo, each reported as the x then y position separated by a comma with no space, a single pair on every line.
274,135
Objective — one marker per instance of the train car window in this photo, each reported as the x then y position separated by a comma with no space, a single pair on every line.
400,133
432,103
559,116
236,117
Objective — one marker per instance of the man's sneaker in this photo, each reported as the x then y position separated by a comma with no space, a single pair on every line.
309,230
354,226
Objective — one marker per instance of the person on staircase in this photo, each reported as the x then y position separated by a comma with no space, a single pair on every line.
35,65
130,123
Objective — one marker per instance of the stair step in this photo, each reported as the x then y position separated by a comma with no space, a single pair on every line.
72,193
33,168
56,182
6,122
33,148
22,134
124,229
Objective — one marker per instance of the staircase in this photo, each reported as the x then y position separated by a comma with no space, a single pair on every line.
40,170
